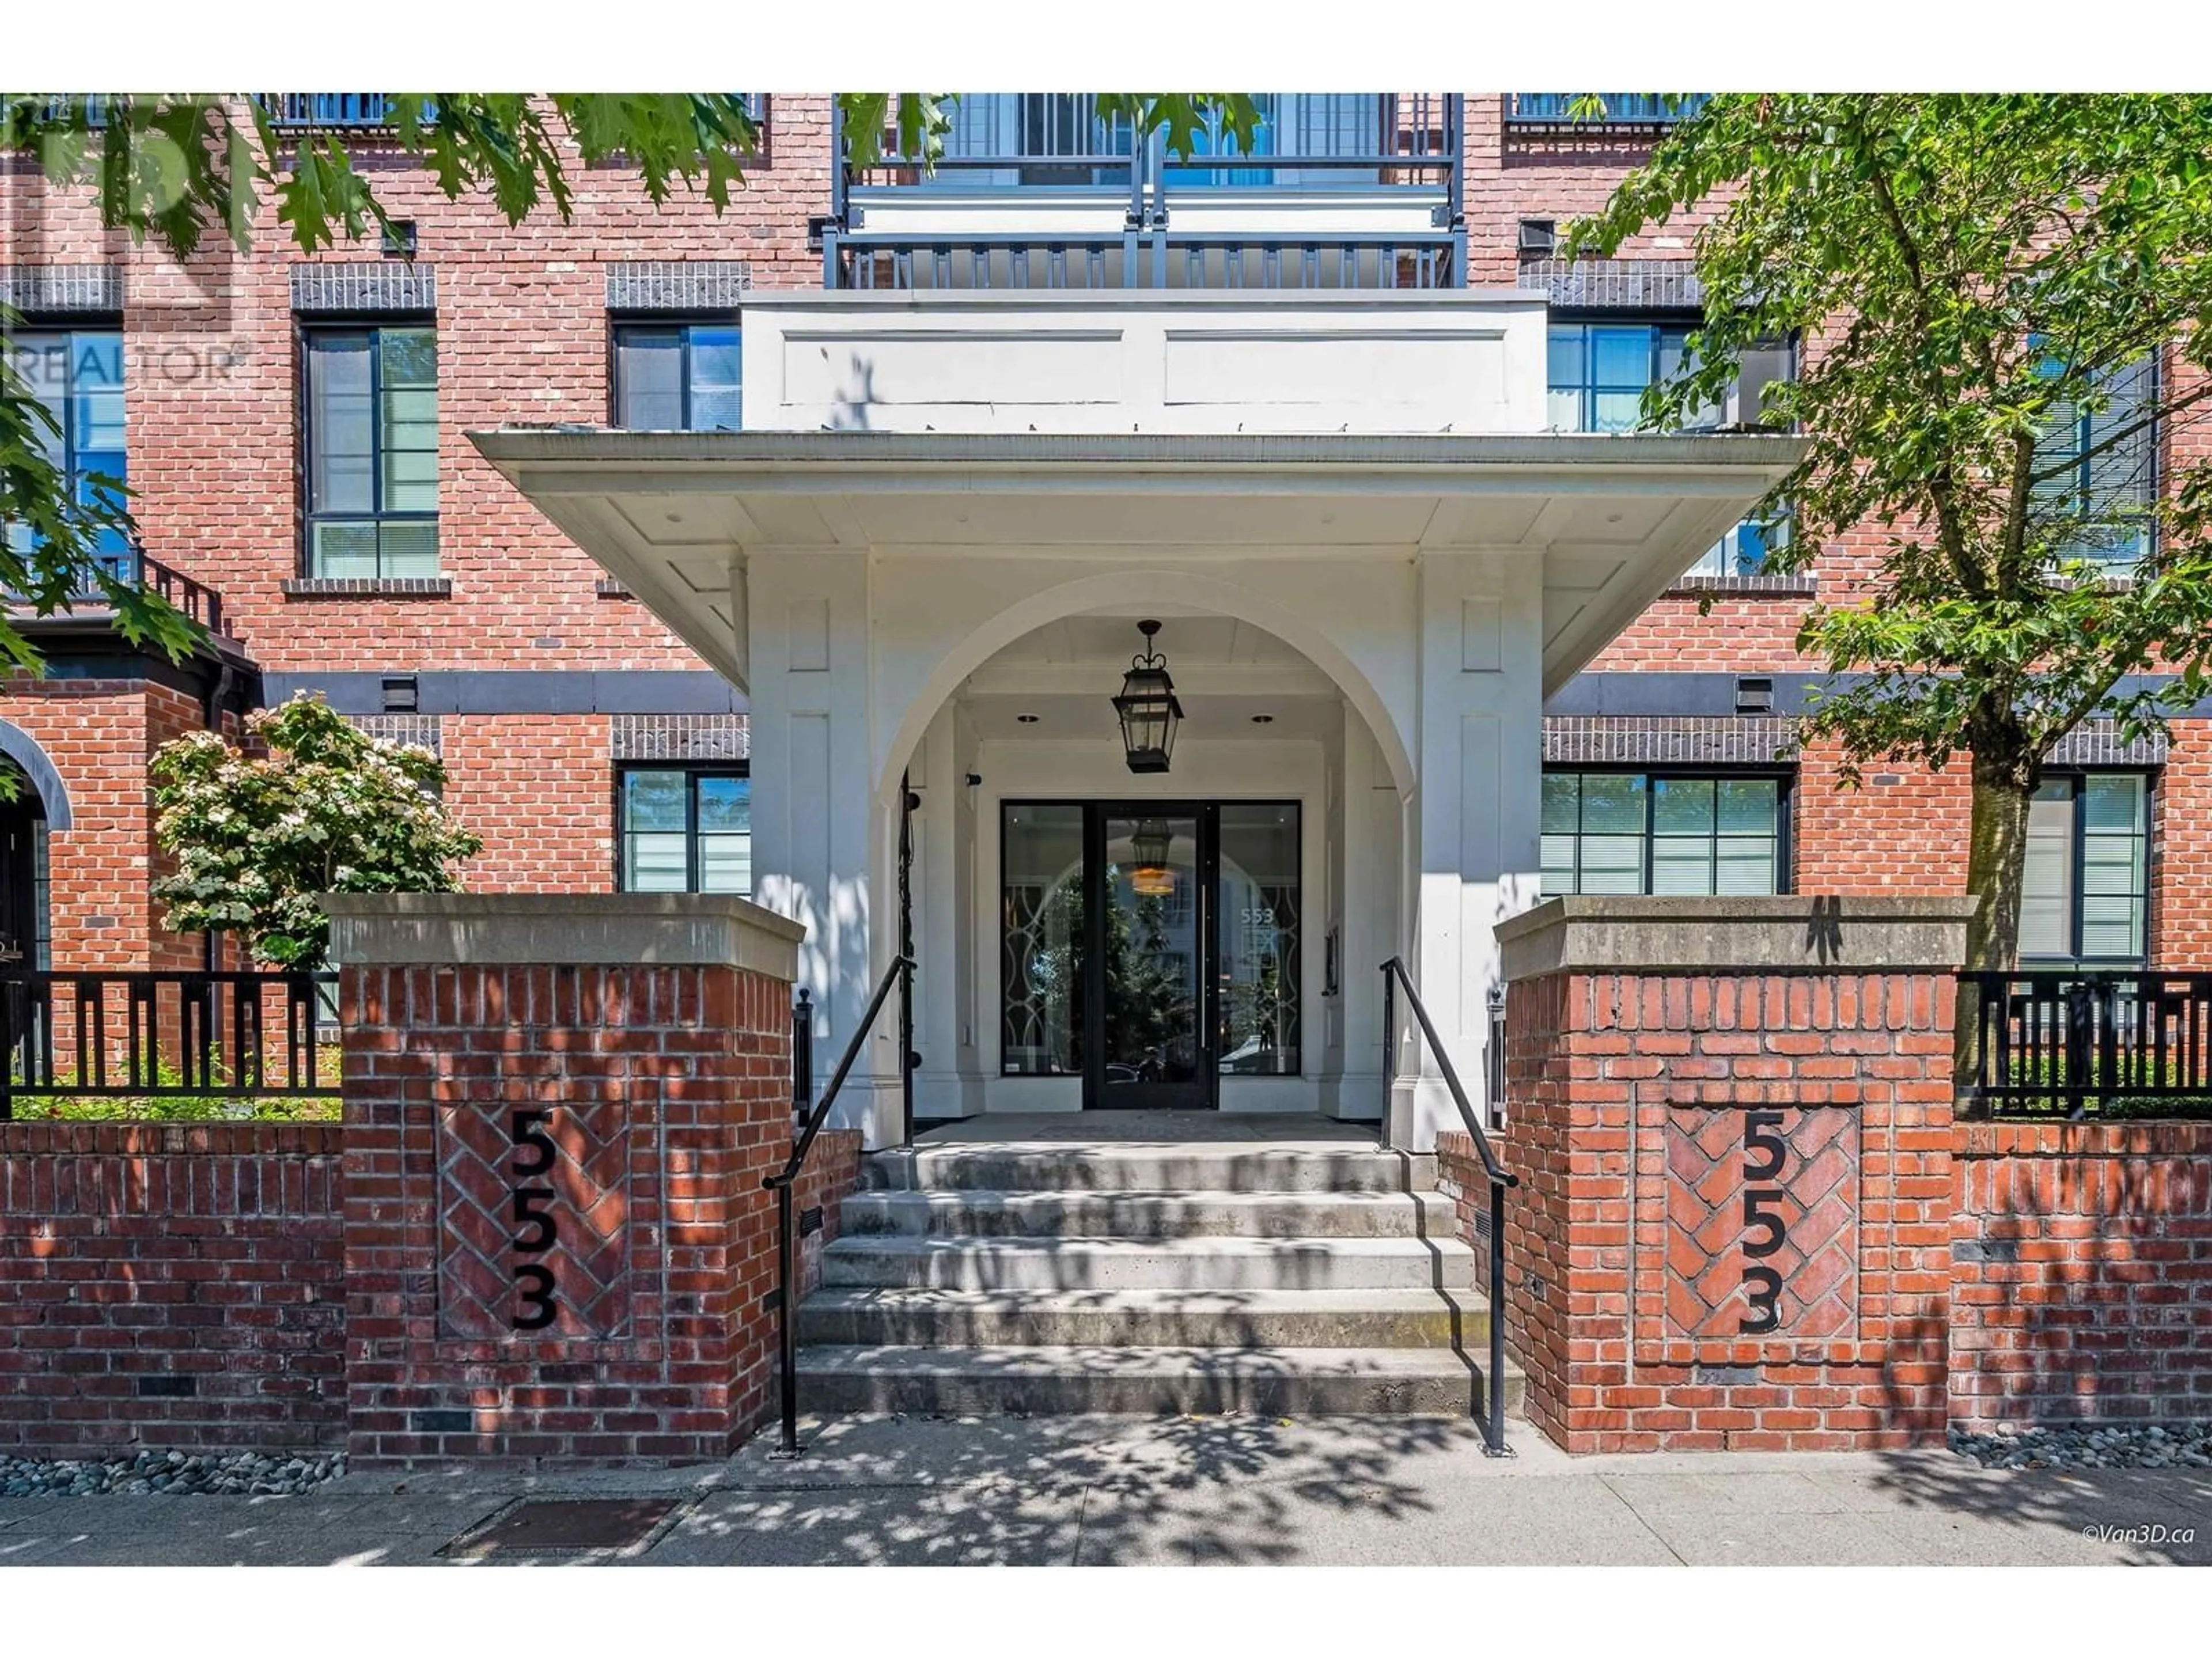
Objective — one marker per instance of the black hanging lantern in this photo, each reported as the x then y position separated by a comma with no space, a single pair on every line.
1147,707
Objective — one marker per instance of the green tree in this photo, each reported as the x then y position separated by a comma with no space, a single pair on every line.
177,169
258,837
2003,301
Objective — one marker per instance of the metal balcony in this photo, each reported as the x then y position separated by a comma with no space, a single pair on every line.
1336,190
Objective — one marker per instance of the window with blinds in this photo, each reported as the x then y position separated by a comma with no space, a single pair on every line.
685,830
678,377
1638,832
2085,894
372,441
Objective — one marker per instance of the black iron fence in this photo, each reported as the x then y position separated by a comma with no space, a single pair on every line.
2068,1042
164,1036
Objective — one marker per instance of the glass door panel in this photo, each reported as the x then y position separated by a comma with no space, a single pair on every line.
1043,932
1152,946
1258,940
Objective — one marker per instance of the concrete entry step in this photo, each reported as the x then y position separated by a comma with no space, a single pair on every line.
1053,1380
992,1214
1147,1262
1200,1263
1428,1319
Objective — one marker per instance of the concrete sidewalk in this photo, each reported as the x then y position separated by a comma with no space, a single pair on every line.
1221,1490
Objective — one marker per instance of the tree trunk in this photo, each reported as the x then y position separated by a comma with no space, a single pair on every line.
1996,863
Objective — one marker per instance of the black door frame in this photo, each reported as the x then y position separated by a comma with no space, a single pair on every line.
1203,1092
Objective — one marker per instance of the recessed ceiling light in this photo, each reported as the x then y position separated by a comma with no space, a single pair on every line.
1263,719
1027,719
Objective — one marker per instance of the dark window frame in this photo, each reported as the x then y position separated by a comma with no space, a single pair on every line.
622,322
693,772
2153,439
1657,321
36,325
305,331
2077,854
1785,809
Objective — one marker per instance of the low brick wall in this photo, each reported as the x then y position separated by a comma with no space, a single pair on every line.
170,1285
2081,1273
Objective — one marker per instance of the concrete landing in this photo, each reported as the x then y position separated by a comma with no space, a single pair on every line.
1152,1127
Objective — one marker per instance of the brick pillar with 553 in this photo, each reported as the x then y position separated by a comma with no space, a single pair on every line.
1732,1121
558,1111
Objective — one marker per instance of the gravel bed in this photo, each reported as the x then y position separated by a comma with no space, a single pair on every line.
249,1473
2090,1446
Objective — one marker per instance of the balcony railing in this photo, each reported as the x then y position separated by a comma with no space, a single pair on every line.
1622,109
1393,158
328,109
135,568
2079,1044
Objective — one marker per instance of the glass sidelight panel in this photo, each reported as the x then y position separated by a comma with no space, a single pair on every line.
1258,939
1042,937
1152,988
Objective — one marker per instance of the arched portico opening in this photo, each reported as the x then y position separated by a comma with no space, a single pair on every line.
912,692
1094,939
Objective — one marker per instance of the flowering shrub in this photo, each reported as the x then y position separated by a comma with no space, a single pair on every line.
258,838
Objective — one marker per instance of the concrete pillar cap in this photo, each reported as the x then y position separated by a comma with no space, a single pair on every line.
1781,933
625,930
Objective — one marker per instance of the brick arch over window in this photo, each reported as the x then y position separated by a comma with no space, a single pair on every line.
22,748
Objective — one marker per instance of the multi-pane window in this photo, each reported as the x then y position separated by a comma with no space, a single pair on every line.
2099,467
1641,832
685,829
678,377
1594,382
372,441
2085,894
77,374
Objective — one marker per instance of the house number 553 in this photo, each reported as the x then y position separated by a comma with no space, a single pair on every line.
1764,1152
536,1295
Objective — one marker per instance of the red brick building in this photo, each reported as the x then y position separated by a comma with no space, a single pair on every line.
295,428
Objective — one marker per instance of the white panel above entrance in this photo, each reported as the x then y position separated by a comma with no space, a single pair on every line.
1466,360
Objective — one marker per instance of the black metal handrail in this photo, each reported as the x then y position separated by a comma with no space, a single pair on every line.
781,1183
2044,1041
163,1036
1395,974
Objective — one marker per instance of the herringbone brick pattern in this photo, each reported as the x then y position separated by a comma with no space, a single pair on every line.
483,1242
1715,1254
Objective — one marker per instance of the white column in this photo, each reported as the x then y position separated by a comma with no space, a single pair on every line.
1371,856
1472,856
940,924
825,849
